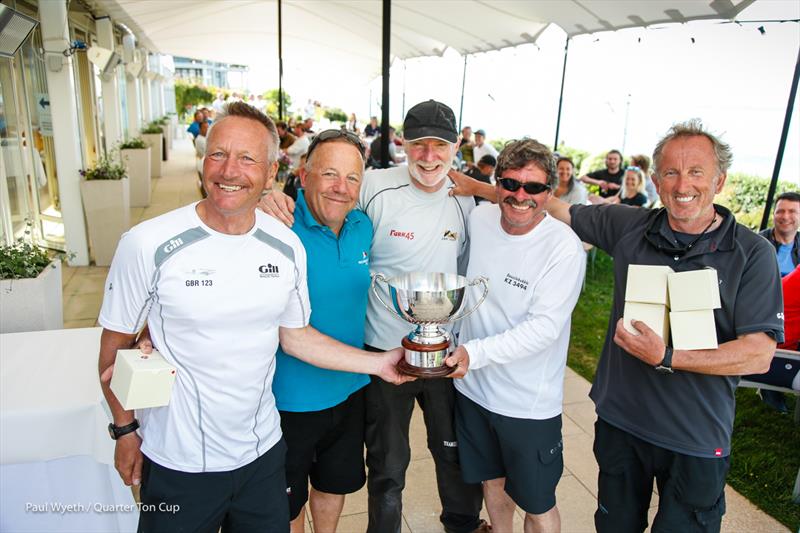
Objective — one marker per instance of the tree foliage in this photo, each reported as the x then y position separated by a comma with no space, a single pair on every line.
746,196
189,95
271,97
334,114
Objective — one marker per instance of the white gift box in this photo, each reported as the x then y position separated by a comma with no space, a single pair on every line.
654,315
693,330
647,284
142,380
694,290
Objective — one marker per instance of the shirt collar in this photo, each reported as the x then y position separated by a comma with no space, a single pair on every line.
722,239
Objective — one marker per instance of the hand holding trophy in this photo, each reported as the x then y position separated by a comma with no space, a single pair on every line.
428,300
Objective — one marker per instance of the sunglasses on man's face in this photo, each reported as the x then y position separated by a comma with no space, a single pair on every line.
333,135
531,187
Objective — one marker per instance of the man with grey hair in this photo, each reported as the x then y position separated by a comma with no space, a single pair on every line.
418,227
515,345
667,414
219,284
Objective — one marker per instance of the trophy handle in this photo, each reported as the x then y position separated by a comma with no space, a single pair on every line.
479,280
375,279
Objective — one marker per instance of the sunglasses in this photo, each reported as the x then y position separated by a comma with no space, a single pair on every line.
637,169
335,135
531,187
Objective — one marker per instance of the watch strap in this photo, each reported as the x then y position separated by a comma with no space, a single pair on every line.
665,366
119,431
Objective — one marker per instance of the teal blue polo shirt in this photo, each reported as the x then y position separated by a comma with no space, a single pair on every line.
338,281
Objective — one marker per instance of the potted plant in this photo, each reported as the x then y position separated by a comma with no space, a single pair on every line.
135,155
153,135
30,289
105,191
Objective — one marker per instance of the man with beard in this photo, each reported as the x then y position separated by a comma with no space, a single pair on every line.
609,179
418,227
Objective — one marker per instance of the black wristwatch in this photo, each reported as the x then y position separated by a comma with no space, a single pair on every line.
665,366
117,431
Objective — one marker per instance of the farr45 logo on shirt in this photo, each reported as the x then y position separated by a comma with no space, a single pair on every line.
404,234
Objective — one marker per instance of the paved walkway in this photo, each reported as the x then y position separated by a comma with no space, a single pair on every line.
83,287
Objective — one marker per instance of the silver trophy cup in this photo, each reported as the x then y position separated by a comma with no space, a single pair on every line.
428,300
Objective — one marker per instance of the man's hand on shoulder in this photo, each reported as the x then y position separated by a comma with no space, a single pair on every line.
278,205
467,186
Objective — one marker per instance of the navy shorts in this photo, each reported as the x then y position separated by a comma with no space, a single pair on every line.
325,447
528,453
250,498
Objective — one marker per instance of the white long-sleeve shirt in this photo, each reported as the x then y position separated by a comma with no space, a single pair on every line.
518,338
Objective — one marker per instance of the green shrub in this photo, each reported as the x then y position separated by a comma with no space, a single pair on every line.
152,128
105,169
334,114
22,260
746,195
577,155
136,143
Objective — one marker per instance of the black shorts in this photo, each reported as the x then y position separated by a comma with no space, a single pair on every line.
326,447
528,453
250,498
691,490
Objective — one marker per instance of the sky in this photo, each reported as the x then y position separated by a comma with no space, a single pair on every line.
623,89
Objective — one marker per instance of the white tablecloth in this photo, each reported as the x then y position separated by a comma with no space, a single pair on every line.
54,447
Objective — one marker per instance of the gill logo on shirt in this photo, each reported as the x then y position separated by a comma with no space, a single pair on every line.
450,235
404,234
269,271
364,258
172,245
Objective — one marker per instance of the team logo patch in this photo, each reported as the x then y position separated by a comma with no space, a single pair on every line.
269,271
450,235
718,452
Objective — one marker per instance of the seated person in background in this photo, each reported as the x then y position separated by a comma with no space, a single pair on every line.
643,162
784,235
569,189
784,372
292,184
608,179
632,192
375,151
372,129
194,127
483,172
286,137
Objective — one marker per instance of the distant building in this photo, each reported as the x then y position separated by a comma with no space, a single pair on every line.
203,72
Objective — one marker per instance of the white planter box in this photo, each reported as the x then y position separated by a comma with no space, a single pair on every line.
32,304
106,204
137,166
154,140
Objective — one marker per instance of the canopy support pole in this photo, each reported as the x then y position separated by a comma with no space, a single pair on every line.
781,145
386,65
463,83
403,113
280,61
561,94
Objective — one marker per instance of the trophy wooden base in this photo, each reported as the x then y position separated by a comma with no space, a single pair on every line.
404,367
425,373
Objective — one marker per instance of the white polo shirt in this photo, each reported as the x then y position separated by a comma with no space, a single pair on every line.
518,338
213,303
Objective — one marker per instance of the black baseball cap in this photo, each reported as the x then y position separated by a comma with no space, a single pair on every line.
430,119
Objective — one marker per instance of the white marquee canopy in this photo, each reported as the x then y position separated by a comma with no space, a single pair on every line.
344,36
